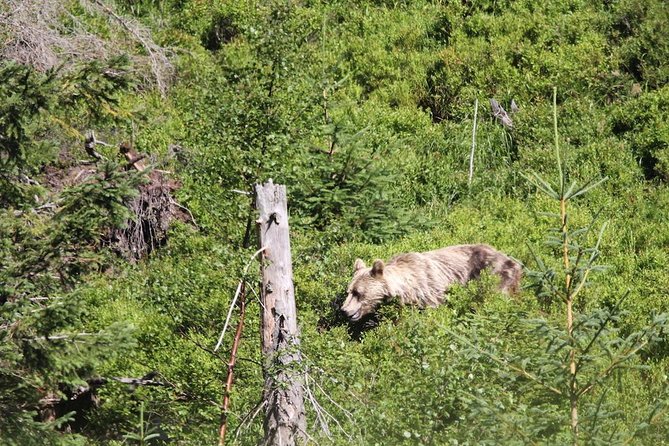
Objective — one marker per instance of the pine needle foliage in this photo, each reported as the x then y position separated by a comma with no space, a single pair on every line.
50,240
561,379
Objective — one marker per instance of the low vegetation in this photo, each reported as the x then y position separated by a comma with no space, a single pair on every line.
365,111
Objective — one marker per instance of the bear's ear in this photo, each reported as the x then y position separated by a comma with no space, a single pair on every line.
377,268
359,264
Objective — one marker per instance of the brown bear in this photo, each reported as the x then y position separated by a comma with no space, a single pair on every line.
422,278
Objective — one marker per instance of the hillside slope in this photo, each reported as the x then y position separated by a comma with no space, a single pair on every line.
365,111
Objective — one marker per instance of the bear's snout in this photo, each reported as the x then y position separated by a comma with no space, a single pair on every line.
352,308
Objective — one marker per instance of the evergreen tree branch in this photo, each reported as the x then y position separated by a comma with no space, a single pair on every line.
516,369
622,357
514,426
600,330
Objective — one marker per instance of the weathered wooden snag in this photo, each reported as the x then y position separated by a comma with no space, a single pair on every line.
285,422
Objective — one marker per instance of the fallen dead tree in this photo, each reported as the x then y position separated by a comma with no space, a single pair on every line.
153,210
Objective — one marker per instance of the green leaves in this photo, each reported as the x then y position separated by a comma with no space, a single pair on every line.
542,185
31,103
364,110
348,190
145,432
99,203
49,245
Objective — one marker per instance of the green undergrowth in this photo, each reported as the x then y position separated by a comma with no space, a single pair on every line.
364,110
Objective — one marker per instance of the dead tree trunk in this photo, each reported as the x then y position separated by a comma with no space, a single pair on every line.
285,422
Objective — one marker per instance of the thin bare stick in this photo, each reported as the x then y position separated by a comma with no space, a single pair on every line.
227,319
471,154
39,299
231,365
321,413
241,294
173,202
255,293
348,414
318,409
60,337
234,299
249,417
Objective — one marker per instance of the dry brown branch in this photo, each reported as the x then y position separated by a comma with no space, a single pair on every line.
234,299
89,146
160,65
135,160
231,365
241,294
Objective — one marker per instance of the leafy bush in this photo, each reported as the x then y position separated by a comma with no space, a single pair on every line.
640,122
365,110
636,36
48,354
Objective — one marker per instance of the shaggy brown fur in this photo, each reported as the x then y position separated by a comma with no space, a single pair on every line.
422,278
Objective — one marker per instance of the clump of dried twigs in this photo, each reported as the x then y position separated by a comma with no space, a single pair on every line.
48,34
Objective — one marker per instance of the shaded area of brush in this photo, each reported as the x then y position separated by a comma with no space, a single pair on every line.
153,211
151,207
336,318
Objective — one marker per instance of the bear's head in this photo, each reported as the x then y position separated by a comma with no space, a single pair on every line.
367,290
